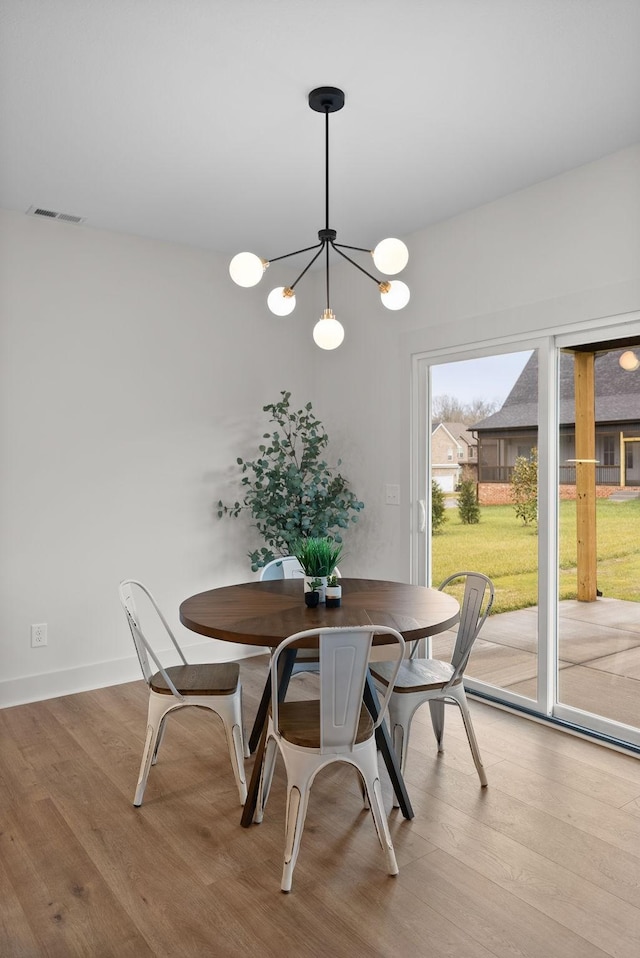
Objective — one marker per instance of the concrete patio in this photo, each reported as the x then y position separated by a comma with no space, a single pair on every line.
599,647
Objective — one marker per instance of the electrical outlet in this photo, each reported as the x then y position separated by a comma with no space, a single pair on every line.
38,635
392,494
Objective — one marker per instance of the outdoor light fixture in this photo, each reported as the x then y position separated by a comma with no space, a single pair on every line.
629,361
390,256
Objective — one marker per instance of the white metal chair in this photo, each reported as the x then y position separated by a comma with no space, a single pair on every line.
337,727
213,686
437,682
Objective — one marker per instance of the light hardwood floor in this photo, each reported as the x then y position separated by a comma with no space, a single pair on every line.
543,863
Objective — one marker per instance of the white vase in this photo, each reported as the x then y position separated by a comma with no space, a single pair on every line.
320,589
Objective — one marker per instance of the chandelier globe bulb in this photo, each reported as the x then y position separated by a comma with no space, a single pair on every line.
247,269
281,301
328,333
390,256
396,295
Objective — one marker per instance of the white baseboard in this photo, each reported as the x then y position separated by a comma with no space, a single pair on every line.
50,685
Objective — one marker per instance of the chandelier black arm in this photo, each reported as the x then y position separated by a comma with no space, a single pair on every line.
360,249
309,264
357,265
295,253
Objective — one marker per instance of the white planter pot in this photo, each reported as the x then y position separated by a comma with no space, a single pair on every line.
333,595
308,579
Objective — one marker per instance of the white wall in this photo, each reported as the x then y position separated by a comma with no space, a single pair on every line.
134,372
132,375
564,251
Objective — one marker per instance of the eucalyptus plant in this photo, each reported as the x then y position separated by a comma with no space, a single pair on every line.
290,490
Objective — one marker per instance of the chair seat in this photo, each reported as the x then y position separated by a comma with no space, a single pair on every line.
415,675
300,723
217,678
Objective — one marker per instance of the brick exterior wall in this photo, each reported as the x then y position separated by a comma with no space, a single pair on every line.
499,493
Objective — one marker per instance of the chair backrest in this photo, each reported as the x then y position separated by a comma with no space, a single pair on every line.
474,609
344,660
286,567
127,590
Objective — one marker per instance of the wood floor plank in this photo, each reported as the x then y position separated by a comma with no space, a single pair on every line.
583,908
16,938
138,868
605,760
538,753
509,809
70,909
563,802
507,925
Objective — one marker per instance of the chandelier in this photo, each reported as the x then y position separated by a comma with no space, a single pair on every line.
390,255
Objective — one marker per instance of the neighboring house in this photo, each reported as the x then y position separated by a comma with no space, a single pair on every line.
513,430
453,448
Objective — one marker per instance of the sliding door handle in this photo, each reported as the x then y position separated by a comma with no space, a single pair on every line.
422,520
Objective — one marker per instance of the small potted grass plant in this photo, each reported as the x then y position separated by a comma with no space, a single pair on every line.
318,557
333,592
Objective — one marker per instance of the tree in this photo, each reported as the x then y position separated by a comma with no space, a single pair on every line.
524,487
289,489
449,409
438,517
468,508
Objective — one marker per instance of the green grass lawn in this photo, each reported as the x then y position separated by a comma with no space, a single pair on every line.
506,551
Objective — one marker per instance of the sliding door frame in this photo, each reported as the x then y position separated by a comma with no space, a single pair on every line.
548,343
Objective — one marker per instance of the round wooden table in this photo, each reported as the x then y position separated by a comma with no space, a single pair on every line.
265,613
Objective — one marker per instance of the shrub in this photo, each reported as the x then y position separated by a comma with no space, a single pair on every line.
524,488
468,508
438,517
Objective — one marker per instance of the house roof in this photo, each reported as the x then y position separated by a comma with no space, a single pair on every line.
459,431
617,395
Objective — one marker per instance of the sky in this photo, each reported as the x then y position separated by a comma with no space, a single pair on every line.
490,378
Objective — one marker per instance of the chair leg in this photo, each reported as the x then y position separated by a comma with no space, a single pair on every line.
436,707
399,739
161,731
461,700
363,790
245,741
297,804
231,714
368,764
156,716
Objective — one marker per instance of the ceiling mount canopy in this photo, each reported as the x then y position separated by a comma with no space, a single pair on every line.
390,256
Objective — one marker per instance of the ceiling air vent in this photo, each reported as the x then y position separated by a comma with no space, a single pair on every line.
52,215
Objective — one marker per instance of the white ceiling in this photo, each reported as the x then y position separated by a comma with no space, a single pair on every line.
187,120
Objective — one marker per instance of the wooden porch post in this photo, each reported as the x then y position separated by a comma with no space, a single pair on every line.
584,376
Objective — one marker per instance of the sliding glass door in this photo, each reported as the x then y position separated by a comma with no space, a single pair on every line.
599,537
483,440
547,436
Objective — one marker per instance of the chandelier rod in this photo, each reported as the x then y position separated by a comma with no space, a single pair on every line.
353,262
309,264
274,259
326,170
